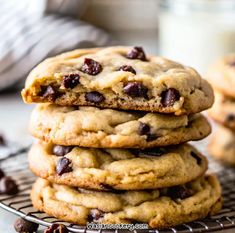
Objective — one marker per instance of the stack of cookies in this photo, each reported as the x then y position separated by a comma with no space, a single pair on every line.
222,77
112,125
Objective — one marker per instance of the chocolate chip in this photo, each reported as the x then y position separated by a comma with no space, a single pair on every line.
178,192
95,215
127,69
169,97
106,187
71,80
157,151
23,226
2,174
57,228
109,188
230,117
49,92
2,141
91,67
61,150
143,129
195,156
137,53
94,97
63,166
136,89
8,186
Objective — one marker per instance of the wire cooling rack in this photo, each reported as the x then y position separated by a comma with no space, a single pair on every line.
14,162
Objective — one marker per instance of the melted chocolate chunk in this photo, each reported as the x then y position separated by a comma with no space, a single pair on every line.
61,150
8,186
169,97
23,226
49,92
136,89
137,53
91,67
195,156
71,80
230,117
63,166
178,192
127,69
94,97
95,215
157,151
143,129
57,228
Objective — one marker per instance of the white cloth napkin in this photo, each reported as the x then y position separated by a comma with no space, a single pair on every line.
28,34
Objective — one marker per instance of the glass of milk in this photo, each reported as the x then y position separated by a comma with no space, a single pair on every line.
196,32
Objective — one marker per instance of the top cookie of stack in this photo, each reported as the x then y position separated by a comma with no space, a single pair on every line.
118,77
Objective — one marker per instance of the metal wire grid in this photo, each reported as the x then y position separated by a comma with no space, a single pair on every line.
16,166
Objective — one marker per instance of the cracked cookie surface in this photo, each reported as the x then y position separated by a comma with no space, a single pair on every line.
160,208
117,168
107,128
118,77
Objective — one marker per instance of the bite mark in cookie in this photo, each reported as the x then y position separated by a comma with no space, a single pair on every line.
142,85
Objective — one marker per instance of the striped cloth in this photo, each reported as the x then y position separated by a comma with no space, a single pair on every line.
28,36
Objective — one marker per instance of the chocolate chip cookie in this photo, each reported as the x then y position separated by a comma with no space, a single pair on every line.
222,145
107,128
160,208
223,111
222,75
109,169
118,77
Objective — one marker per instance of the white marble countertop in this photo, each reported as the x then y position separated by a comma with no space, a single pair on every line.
14,116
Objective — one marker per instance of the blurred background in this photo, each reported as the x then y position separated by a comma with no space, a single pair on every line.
194,32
